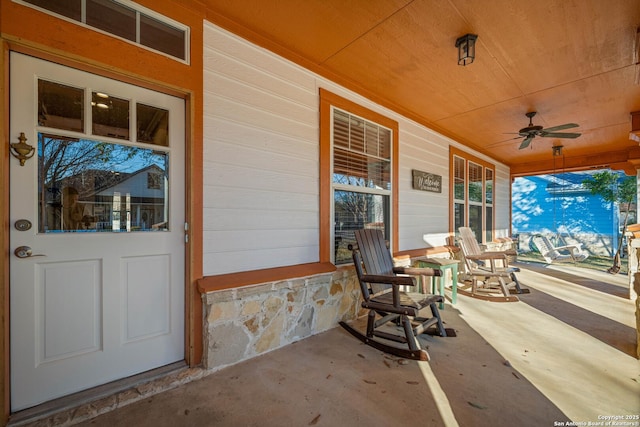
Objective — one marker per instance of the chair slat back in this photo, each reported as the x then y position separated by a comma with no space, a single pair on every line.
547,250
464,247
470,242
375,254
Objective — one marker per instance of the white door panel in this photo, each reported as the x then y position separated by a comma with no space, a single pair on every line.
106,298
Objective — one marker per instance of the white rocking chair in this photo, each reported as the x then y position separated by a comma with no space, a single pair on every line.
491,276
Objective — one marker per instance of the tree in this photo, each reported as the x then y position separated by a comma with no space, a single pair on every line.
613,188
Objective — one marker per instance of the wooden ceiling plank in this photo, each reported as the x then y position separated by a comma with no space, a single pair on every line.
570,60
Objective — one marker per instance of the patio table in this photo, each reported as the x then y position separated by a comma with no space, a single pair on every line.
442,264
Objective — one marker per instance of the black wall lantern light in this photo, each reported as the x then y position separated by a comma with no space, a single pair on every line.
466,49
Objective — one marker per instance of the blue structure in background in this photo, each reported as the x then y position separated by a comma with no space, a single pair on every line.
559,207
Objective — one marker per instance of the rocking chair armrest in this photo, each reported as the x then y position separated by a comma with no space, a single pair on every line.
488,255
417,271
391,280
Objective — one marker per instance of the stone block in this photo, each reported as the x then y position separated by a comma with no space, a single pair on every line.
293,284
61,418
348,307
335,288
319,280
271,307
105,405
251,307
303,325
219,296
248,292
227,344
270,338
320,294
327,318
296,296
222,311
128,396
252,325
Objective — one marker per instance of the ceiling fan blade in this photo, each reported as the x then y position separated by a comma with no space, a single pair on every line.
526,142
561,127
559,135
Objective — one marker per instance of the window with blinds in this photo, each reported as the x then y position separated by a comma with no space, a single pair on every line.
361,152
361,179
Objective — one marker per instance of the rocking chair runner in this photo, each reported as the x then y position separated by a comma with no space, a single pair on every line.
382,297
483,267
551,254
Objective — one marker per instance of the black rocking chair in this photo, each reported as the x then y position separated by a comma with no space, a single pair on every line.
382,296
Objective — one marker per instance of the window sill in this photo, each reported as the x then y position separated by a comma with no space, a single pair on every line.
246,278
438,250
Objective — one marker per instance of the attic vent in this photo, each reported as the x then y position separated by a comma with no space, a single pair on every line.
124,20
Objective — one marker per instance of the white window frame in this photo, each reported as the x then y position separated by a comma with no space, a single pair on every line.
488,229
361,189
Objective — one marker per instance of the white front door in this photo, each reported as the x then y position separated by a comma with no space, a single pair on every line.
97,231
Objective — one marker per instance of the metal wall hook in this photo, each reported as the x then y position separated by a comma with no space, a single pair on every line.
21,150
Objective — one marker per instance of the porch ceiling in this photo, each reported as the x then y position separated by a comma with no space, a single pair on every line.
572,61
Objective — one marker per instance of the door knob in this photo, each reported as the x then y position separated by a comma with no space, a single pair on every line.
25,252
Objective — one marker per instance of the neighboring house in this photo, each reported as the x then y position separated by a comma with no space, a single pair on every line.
559,206
139,203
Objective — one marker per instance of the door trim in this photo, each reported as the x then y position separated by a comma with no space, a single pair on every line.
193,342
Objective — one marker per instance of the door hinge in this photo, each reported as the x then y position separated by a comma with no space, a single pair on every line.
186,232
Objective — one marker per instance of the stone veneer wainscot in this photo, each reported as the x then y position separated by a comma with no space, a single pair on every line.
242,323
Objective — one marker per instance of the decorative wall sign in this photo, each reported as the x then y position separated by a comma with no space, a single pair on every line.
426,181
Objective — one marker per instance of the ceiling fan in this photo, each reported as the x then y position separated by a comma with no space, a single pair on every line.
532,131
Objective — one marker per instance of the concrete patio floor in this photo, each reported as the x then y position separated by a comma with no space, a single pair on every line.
565,353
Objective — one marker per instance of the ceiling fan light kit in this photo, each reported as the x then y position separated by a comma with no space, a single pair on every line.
557,150
634,135
531,131
466,49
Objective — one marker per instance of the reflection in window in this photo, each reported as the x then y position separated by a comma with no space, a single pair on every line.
86,185
60,106
473,194
354,211
475,220
459,200
152,125
110,116
475,182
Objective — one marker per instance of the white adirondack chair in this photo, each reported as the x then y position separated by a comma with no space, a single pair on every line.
551,254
